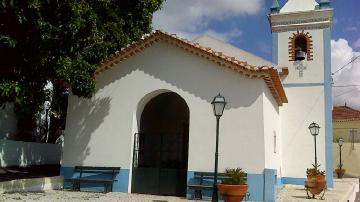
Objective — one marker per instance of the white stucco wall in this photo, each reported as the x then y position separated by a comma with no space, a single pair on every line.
100,130
272,127
298,144
8,122
298,5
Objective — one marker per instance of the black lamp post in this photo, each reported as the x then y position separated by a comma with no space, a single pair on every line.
340,142
314,130
218,107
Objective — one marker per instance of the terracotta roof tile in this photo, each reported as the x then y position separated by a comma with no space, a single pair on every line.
345,113
270,75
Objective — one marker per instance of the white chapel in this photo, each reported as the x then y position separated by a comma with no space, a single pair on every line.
152,116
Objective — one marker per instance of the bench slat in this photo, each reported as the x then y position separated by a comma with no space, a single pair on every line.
198,187
84,168
91,180
108,183
208,174
211,177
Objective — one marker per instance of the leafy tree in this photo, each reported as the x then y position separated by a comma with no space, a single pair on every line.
62,41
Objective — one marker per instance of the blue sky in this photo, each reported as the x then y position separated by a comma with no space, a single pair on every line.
254,27
244,24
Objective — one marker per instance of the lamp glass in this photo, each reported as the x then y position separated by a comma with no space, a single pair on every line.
314,129
218,105
341,141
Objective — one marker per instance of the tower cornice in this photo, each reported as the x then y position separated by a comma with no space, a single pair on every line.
304,20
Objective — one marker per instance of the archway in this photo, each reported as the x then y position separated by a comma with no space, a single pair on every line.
161,147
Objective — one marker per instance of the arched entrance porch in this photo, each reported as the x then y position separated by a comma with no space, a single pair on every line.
161,147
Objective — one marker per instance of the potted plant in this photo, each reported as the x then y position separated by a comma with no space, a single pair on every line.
340,171
234,187
315,182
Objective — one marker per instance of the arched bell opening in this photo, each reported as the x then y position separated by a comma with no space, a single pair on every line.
301,48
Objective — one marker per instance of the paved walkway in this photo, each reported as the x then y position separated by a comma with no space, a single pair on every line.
342,191
358,195
70,196
290,193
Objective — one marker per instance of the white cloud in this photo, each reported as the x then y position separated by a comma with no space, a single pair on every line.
341,54
357,43
225,36
189,18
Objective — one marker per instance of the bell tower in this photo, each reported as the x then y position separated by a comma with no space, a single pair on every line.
301,33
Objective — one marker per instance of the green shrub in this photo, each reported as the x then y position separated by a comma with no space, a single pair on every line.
235,176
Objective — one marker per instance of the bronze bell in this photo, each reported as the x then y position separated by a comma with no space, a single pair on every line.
300,55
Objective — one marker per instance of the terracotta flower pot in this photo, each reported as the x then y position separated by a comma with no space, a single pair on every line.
315,183
233,193
316,177
340,173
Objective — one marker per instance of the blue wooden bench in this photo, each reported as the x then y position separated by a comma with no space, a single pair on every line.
85,177
205,181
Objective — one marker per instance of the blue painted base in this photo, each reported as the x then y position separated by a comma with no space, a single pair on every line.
293,180
262,187
120,185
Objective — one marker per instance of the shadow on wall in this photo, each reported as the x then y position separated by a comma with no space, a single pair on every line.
191,73
17,153
8,121
188,72
88,122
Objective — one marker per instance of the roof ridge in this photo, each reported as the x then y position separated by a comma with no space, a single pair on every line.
235,47
270,74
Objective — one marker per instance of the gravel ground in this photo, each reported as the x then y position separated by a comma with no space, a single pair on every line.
289,193
70,196
295,193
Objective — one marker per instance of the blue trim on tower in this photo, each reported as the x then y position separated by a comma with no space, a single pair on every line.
275,44
292,85
120,185
328,108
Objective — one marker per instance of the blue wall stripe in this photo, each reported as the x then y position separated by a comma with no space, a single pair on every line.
328,108
261,186
292,85
275,44
293,180
120,185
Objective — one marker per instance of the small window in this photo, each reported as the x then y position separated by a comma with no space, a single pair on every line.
274,142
